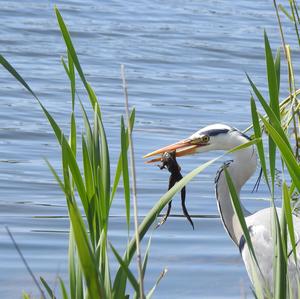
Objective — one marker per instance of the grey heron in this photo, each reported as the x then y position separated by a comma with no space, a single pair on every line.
240,168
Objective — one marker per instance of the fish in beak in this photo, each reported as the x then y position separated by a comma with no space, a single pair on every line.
182,148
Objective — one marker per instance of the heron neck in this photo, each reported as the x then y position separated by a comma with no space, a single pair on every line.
241,168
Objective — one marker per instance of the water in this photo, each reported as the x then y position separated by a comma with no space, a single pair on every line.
185,64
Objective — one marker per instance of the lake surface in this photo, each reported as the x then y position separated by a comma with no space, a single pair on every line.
185,64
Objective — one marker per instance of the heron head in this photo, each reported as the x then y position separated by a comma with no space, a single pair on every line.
212,137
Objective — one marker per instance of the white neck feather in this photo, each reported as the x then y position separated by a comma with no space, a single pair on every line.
241,168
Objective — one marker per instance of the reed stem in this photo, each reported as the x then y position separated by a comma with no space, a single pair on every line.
134,193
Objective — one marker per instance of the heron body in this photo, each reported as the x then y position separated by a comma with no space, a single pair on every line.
240,168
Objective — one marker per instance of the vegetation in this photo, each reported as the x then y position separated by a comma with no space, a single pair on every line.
90,273
86,182
281,125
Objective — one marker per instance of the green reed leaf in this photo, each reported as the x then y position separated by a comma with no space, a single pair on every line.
270,113
56,176
259,144
145,261
48,288
290,17
277,65
280,282
119,164
274,103
73,136
17,76
239,213
88,171
105,164
272,73
286,152
125,268
63,289
289,219
71,51
72,79
72,264
126,184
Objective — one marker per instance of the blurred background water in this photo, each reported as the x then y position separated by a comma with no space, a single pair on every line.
185,64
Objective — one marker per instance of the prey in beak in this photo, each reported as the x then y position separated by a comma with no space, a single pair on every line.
181,148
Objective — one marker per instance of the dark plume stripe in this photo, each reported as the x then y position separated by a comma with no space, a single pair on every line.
215,132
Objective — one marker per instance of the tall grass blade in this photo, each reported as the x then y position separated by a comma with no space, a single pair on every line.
126,185
105,165
72,79
63,289
125,268
71,51
273,73
290,17
145,261
47,287
281,258
286,153
87,260
79,281
73,138
239,213
277,65
58,179
270,113
88,131
289,219
15,74
25,263
274,103
88,171
72,265
119,164
259,144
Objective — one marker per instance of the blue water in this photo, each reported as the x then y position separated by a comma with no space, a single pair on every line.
185,65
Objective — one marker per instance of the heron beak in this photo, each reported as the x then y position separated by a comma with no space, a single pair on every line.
182,148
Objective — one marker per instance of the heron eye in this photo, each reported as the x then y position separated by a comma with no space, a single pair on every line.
205,138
